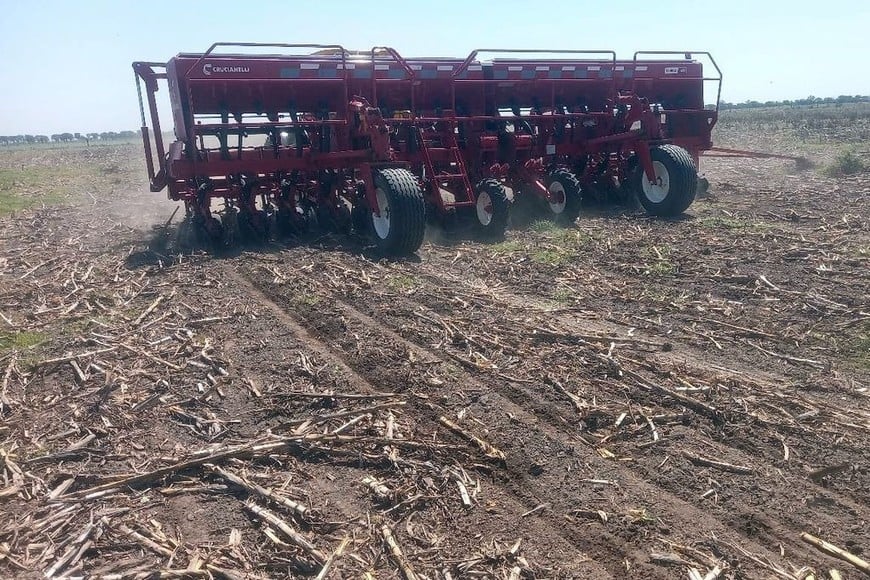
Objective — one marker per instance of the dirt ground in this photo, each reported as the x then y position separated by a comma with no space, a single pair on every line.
628,398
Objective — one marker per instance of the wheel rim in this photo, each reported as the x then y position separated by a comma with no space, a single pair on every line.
381,222
558,200
658,191
484,208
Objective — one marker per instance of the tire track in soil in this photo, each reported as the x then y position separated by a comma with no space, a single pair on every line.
841,506
522,298
538,538
529,295
333,481
681,513
808,444
688,357
253,358
800,517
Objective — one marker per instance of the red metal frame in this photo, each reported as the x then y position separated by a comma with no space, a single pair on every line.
689,127
453,122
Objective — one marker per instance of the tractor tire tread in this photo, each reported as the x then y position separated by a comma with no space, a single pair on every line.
573,195
683,178
408,209
501,208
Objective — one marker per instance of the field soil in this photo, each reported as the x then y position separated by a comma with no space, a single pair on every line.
630,397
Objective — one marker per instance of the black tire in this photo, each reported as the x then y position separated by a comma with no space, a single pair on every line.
400,231
678,182
492,210
566,211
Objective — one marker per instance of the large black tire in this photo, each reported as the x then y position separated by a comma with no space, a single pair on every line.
492,209
399,230
677,182
564,185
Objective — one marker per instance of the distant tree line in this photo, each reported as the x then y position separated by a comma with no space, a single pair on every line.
66,137
811,100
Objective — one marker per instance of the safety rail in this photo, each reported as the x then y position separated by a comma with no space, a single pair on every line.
395,56
402,62
144,71
689,54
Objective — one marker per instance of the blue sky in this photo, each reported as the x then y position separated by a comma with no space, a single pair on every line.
65,65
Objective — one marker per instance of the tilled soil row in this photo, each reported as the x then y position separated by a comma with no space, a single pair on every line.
166,426
753,413
399,320
631,398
